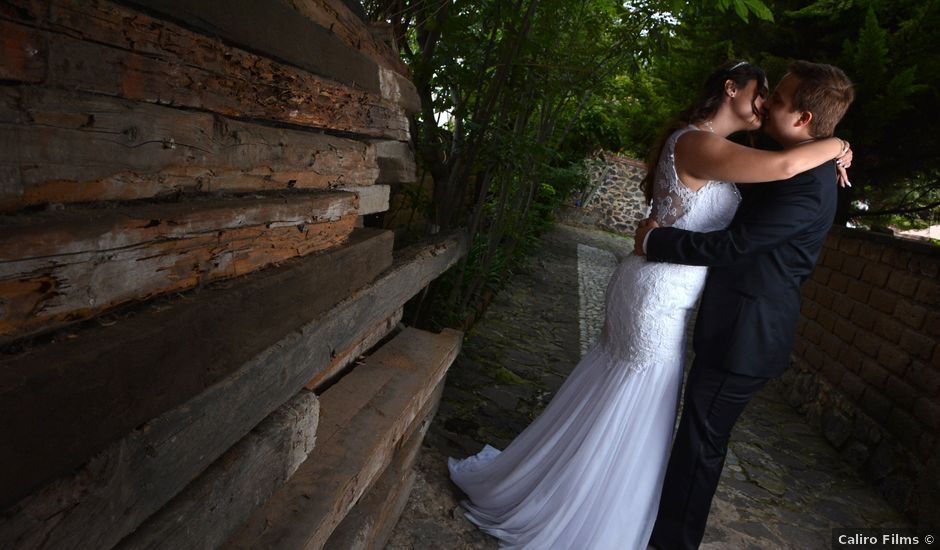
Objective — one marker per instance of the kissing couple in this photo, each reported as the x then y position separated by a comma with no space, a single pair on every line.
733,229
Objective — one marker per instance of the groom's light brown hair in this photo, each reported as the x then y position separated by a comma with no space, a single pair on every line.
825,91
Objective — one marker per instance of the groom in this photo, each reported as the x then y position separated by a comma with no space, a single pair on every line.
751,301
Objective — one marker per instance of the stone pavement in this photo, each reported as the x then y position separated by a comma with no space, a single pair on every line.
783,486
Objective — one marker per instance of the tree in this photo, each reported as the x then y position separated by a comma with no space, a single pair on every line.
889,48
506,88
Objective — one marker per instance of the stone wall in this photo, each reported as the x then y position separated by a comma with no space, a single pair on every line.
613,200
866,363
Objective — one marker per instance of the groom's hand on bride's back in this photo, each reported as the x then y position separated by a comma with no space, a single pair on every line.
639,239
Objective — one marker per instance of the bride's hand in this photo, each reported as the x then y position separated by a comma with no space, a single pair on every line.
843,162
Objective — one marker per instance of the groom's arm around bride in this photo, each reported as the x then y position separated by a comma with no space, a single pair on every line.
751,301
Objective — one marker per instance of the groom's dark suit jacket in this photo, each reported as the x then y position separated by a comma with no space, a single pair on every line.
751,302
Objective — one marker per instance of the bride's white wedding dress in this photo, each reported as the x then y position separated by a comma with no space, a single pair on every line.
587,474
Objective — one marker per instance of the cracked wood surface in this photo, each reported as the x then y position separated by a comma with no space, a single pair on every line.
217,502
124,415
107,497
108,49
364,419
277,30
336,16
370,523
64,147
60,267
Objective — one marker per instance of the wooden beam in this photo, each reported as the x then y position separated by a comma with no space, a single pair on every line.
59,267
372,198
62,147
369,524
268,360
348,27
364,417
84,392
19,46
399,90
396,162
344,358
99,47
214,505
274,29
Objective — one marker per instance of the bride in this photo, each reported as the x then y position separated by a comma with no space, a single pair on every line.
588,472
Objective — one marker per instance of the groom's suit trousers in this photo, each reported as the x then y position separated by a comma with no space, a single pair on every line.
714,399
744,331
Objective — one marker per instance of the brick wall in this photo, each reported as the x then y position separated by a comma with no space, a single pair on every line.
866,363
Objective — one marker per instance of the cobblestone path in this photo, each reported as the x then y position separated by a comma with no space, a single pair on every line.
782,486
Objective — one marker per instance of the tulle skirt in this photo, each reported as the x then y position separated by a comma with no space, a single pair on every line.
588,472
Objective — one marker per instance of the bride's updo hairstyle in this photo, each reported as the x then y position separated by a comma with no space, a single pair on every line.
739,72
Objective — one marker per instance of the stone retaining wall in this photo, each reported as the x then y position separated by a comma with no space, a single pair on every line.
866,363
614,199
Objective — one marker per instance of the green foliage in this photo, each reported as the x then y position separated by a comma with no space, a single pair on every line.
911,203
882,98
503,86
743,8
515,93
890,49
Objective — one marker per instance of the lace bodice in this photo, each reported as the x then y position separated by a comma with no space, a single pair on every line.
708,209
649,304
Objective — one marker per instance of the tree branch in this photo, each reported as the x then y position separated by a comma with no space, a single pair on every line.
899,210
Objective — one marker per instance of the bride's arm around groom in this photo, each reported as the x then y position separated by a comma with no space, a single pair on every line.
751,301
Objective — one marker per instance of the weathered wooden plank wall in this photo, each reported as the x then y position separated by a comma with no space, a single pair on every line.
81,263
68,147
134,476
104,48
180,186
358,434
246,475
104,102
84,392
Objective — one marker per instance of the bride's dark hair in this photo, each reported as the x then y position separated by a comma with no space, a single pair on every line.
739,72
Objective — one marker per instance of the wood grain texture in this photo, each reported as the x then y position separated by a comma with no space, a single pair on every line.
100,47
372,198
349,28
59,267
266,363
20,47
344,358
364,418
369,524
84,392
211,508
399,90
63,147
275,29
396,162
